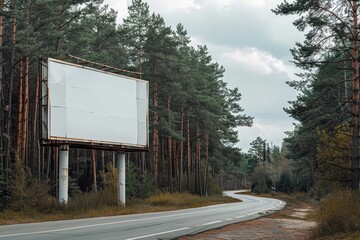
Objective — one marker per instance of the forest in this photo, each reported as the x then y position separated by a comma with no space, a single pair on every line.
193,113
325,143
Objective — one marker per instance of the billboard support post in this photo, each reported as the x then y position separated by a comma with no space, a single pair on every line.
120,164
63,174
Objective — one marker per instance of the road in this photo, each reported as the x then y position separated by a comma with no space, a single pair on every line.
162,225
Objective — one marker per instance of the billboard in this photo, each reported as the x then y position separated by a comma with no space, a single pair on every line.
87,105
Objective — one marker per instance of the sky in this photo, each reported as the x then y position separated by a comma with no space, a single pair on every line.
252,43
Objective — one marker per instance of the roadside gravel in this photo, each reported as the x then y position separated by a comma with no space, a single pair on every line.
293,222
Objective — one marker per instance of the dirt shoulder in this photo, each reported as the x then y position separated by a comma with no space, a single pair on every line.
295,221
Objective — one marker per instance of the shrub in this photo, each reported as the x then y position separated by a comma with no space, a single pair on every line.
28,193
138,185
213,189
339,212
175,199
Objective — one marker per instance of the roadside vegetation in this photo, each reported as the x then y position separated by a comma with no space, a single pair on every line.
51,211
31,201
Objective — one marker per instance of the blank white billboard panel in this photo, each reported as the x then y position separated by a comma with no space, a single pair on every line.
86,104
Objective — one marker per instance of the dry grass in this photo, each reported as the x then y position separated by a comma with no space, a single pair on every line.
342,236
337,216
339,213
161,202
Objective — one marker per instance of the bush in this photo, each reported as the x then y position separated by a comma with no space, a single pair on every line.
285,183
138,185
28,193
181,200
339,212
213,189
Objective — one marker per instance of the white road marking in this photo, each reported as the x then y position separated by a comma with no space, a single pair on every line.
249,214
104,224
137,220
160,233
210,223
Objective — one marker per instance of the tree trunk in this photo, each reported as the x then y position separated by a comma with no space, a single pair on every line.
176,154
197,162
163,168
19,146
188,153
103,161
9,107
93,164
35,144
206,162
1,95
56,170
155,133
355,106
170,145
140,54
25,137
181,146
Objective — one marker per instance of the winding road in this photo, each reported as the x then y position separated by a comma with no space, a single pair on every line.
161,225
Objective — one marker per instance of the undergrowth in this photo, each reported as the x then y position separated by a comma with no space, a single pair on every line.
339,213
97,204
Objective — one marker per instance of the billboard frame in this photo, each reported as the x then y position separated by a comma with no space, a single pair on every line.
44,109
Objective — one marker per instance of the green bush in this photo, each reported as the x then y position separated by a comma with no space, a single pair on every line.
213,189
29,194
138,185
339,212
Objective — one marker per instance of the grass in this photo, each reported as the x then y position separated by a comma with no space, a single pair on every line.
339,213
160,202
342,236
337,217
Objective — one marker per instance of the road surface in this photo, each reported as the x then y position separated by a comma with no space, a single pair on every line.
161,225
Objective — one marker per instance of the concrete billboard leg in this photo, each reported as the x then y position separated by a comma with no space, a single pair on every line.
120,164
63,174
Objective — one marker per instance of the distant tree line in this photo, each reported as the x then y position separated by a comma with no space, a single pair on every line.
193,113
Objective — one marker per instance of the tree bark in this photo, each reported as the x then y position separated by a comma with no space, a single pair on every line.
155,134
206,162
188,153
19,146
197,160
140,53
355,106
1,93
9,107
35,145
93,164
181,147
25,137
170,160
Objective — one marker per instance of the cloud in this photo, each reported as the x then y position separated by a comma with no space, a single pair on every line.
170,7
272,133
259,61
252,43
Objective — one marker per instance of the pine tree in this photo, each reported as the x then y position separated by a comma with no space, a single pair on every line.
333,29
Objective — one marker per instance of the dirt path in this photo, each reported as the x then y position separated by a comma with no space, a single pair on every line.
293,222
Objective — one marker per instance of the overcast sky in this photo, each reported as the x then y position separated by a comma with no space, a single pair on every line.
251,43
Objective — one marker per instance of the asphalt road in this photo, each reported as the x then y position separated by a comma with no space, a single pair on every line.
162,225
